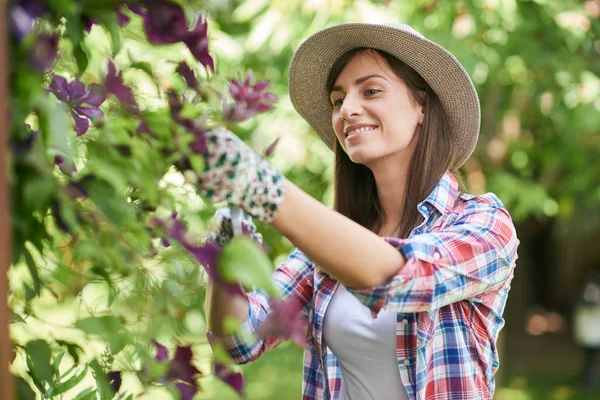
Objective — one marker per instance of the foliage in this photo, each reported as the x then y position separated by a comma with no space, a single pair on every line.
100,198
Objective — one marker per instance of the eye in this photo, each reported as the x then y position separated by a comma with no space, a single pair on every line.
371,92
338,102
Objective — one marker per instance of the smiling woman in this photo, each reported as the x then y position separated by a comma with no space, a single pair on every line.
404,283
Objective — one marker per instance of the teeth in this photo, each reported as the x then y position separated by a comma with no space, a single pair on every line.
359,130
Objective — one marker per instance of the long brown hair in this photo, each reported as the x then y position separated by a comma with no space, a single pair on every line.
355,188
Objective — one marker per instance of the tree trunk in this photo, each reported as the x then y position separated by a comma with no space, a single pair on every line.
6,379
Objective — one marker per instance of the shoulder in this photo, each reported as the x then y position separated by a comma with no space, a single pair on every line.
485,211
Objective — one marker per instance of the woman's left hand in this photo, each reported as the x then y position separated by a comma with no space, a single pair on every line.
235,173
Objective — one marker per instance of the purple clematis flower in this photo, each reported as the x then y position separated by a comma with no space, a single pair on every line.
197,41
114,85
206,255
164,22
82,103
44,51
286,320
181,371
271,148
22,13
250,99
234,379
122,18
188,75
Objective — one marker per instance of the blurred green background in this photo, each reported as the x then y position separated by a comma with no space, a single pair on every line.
535,65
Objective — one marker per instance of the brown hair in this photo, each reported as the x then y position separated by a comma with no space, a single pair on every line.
354,184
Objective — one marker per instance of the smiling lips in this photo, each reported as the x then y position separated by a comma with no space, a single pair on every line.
356,129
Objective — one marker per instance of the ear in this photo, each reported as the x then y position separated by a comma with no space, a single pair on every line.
421,116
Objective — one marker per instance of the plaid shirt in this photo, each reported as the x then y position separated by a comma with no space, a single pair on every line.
449,297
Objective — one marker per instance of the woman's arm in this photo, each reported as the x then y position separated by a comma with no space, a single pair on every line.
342,248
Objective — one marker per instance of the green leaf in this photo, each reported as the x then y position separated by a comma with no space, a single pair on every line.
56,362
37,283
104,389
112,25
74,380
14,317
109,328
87,394
38,353
241,260
72,349
37,192
23,390
197,163
59,131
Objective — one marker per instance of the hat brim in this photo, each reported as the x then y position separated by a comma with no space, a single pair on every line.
312,62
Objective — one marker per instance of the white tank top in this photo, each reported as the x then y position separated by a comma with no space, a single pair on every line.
365,349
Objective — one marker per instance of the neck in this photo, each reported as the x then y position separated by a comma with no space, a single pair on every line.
391,177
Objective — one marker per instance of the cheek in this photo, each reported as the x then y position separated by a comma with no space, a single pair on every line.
337,124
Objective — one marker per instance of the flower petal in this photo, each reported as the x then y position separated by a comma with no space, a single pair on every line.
90,112
234,379
60,88
81,124
94,96
44,51
165,23
161,351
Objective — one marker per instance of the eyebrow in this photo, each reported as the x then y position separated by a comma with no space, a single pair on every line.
339,88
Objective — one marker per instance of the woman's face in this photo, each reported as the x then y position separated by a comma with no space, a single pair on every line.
374,114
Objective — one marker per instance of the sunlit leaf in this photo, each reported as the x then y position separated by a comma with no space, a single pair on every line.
243,261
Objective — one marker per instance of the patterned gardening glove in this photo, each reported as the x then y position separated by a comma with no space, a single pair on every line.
235,173
221,227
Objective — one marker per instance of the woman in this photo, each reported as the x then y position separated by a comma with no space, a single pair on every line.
404,283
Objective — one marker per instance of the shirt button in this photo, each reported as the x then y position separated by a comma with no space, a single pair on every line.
405,321
437,255
406,362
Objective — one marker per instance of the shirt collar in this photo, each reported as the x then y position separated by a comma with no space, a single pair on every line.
443,197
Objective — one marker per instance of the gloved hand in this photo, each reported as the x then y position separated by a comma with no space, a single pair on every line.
221,230
235,173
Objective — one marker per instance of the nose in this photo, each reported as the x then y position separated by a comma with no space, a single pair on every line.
350,108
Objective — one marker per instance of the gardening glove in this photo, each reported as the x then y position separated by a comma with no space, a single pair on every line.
227,223
235,173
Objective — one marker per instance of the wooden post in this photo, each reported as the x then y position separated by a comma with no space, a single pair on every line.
6,379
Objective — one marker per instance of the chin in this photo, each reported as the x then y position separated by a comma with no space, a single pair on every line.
360,157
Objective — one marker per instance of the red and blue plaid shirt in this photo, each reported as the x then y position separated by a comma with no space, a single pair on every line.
449,296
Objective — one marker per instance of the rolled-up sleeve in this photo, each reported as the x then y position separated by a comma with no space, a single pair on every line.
293,278
473,252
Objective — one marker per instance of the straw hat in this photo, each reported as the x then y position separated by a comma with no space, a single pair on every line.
312,62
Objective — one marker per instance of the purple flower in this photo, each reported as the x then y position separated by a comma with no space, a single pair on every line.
234,379
82,103
188,75
114,85
249,99
44,51
181,371
162,354
196,127
206,255
197,41
122,18
22,13
271,148
164,22
66,168
286,320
